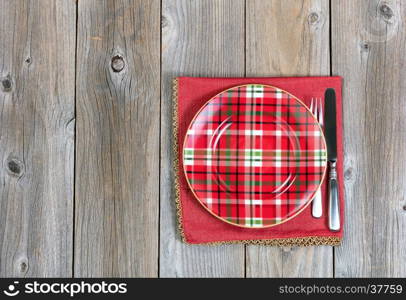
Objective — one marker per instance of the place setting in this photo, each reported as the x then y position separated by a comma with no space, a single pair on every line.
259,160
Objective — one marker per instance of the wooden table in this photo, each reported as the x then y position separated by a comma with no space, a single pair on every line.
85,130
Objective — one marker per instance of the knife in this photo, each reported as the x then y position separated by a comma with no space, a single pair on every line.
330,127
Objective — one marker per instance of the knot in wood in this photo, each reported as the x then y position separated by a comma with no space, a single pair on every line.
23,267
164,22
386,11
348,174
15,167
313,18
365,46
6,83
117,63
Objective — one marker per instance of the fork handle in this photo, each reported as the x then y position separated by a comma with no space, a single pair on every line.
334,208
317,210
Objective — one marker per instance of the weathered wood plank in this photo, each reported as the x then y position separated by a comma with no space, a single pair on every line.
369,46
288,38
37,83
199,38
117,156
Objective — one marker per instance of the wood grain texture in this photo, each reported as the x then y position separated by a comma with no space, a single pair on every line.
369,45
117,154
288,38
199,38
37,83
123,163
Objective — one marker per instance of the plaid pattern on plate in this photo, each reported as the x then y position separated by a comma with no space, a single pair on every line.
254,156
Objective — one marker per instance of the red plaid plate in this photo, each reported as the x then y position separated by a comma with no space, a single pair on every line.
254,156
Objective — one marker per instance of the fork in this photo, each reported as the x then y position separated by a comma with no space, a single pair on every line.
317,109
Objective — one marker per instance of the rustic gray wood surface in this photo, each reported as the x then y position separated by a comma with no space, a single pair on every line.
370,55
86,177
117,138
37,103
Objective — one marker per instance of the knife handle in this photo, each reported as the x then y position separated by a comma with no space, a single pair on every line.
334,208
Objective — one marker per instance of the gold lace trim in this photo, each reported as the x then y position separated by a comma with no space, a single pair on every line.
284,242
280,242
175,149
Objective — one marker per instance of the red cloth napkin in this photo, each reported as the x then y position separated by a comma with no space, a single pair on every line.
197,226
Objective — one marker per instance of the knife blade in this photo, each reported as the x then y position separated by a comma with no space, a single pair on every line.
330,127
